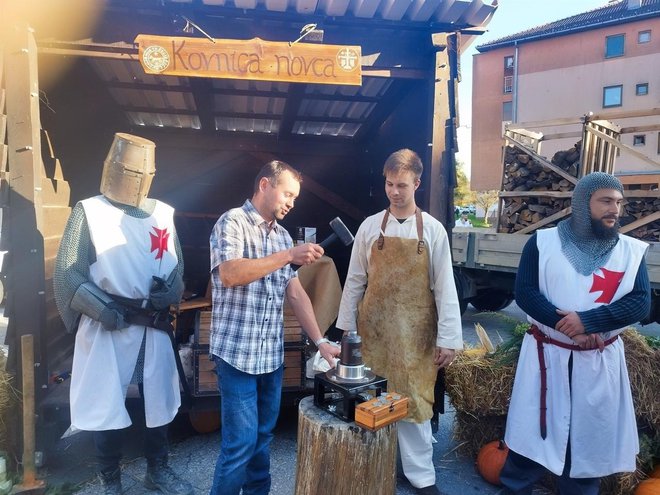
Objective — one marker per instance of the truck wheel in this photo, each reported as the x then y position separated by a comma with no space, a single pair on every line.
492,300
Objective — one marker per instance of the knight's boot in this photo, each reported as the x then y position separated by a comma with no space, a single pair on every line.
161,477
111,481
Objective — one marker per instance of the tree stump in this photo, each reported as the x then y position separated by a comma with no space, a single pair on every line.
340,458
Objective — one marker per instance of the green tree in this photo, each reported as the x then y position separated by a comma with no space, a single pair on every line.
486,199
462,193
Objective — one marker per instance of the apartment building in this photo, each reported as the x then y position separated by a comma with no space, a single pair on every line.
605,62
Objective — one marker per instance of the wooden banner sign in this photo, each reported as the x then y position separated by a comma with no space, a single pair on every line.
254,59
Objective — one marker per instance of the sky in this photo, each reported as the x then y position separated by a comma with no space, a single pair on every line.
511,16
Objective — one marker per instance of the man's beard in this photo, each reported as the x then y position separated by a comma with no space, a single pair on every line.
601,231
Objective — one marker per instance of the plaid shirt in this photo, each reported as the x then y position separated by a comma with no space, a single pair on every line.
247,326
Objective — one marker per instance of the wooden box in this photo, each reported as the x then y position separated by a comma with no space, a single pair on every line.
205,379
381,411
203,328
292,329
293,367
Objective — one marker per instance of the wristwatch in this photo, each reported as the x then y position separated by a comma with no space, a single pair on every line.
321,341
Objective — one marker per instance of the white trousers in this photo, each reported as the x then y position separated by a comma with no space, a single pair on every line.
416,447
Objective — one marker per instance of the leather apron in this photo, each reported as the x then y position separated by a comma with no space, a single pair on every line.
397,319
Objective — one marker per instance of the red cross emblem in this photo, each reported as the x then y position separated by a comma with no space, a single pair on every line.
607,285
159,241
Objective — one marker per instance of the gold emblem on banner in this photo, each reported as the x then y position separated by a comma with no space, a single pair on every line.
347,58
156,58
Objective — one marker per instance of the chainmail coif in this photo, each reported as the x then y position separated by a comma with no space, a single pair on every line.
584,250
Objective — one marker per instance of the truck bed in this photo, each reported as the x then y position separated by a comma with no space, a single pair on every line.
501,252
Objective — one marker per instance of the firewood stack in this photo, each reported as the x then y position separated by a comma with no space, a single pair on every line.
637,208
522,173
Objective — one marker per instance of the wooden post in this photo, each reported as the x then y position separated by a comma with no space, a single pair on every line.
336,457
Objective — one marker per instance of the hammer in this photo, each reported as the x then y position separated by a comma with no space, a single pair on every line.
339,231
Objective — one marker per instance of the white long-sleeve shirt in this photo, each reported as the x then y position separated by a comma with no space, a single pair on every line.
449,329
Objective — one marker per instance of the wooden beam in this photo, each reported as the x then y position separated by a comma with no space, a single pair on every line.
626,114
640,222
239,92
640,128
562,135
442,172
250,142
383,110
25,223
237,115
201,90
535,194
545,221
291,108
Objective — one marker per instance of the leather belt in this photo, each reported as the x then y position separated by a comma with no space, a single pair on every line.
541,339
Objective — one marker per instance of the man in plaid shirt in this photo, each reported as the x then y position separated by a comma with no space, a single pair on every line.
251,257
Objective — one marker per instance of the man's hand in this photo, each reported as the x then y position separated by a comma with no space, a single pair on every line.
329,352
305,254
570,325
443,357
589,341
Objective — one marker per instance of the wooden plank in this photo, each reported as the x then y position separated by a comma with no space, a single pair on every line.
545,221
562,135
626,114
535,194
640,193
254,59
640,128
640,221
543,161
25,224
546,123
502,250
55,218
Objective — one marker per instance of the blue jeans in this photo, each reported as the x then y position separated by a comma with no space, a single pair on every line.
249,407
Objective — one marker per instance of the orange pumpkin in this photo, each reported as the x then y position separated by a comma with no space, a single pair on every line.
490,461
650,486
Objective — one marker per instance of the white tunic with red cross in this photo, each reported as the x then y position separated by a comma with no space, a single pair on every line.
129,251
595,412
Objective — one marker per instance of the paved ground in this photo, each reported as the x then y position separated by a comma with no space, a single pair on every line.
70,467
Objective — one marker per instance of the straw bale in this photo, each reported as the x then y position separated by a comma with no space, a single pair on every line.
472,432
8,401
644,371
478,385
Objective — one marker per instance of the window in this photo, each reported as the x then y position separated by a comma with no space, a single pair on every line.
508,84
614,45
508,62
639,140
642,89
643,36
612,96
507,111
